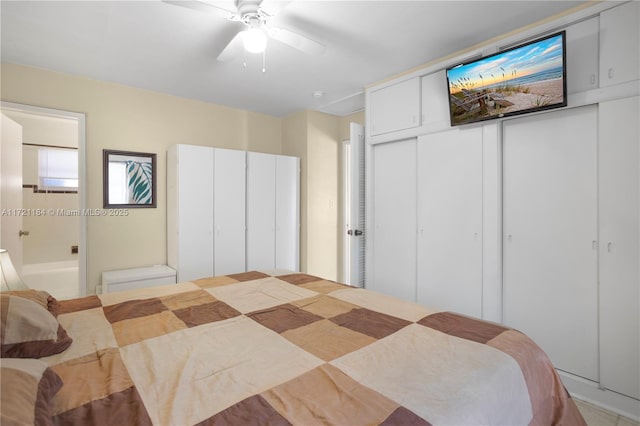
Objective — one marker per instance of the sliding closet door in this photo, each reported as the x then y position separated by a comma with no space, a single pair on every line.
287,212
450,221
261,211
394,219
229,211
550,229
620,246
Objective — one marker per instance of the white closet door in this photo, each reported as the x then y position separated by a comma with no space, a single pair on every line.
619,246
394,219
450,221
261,211
229,211
195,212
550,224
287,213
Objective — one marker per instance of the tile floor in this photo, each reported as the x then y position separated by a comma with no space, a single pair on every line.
596,416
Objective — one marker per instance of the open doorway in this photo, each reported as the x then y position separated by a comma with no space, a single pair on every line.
50,249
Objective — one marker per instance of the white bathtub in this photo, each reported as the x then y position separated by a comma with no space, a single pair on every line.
60,279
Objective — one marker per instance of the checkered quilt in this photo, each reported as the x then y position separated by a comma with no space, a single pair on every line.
259,348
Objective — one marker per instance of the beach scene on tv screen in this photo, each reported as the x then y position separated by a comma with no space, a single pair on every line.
525,78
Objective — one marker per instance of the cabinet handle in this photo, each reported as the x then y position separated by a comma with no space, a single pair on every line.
609,247
594,244
610,73
593,79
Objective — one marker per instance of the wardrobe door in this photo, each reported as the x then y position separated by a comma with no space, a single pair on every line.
229,211
619,246
550,228
287,218
261,211
450,221
190,211
393,269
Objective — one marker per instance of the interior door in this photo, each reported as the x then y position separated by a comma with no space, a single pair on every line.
229,211
11,190
394,219
550,288
356,223
261,211
450,221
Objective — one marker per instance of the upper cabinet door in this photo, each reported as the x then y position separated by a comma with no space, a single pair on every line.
395,107
435,103
582,56
620,44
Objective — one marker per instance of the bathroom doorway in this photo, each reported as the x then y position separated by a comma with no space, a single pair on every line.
53,229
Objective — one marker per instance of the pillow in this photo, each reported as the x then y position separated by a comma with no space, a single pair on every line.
26,390
42,298
28,330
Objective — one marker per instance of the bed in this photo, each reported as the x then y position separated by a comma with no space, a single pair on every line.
268,348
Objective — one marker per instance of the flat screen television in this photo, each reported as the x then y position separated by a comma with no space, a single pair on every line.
526,78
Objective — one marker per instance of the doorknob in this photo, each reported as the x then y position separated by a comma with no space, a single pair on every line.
23,233
357,232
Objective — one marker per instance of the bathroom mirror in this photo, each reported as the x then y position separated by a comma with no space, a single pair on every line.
129,179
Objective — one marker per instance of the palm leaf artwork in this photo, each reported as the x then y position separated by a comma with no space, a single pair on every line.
139,177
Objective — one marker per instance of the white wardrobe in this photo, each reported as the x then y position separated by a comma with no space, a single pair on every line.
230,211
532,221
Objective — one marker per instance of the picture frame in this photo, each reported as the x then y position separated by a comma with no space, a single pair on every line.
129,179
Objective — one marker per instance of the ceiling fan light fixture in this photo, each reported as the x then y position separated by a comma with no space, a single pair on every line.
255,40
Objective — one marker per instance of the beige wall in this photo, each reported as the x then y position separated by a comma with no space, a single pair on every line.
294,142
125,118
323,193
317,139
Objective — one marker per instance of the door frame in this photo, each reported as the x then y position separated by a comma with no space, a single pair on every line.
82,177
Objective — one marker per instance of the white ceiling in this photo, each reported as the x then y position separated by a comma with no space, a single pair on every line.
171,49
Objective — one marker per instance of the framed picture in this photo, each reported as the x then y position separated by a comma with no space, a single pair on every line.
129,179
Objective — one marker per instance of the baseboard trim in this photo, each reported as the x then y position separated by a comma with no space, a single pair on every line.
589,391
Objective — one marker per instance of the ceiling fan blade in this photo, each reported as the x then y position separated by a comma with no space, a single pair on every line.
232,49
273,7
297,41
206,7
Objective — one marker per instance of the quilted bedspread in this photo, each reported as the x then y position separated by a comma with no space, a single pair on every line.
256,348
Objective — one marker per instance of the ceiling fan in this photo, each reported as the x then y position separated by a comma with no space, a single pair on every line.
253,35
